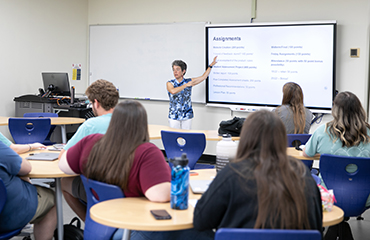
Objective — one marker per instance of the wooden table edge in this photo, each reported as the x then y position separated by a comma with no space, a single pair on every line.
334,221
143,226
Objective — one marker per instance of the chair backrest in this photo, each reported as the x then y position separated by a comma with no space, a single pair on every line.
29,130
176,143
266,234
40,114
96,192
351,190
308,163
295,140
2,195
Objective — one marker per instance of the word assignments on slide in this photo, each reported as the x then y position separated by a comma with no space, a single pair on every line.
254,62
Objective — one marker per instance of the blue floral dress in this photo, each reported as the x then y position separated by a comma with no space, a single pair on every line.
180,103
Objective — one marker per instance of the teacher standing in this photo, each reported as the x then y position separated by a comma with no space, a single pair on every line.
179,91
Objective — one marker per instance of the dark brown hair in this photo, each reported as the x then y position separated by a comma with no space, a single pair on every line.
349,123
293,96
111,158
280,179
104,92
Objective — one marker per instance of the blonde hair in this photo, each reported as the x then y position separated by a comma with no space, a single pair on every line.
349,124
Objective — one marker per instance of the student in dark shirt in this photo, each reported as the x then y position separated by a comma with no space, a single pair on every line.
262,187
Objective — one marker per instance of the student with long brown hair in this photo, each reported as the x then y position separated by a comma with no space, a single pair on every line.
123,157
296,118
262,187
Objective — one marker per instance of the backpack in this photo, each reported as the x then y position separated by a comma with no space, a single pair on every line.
232,126
71,232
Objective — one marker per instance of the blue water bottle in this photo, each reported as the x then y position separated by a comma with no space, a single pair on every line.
180,182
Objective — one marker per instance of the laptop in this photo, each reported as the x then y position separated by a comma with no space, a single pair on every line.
199,186
43,156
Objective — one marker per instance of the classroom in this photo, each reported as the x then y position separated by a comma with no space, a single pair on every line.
50,36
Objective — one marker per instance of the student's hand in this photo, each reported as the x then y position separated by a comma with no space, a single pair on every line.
214,61
37,146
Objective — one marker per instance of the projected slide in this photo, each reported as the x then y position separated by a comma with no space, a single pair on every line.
254,62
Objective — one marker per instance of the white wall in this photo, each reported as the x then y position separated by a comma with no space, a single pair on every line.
44,35
353,32
37,36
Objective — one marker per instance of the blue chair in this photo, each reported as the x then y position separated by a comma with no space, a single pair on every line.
266,234
41,115
29,130
193,144
96,192
351,190
3,197
295,140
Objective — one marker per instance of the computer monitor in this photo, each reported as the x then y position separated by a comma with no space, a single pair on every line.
56,83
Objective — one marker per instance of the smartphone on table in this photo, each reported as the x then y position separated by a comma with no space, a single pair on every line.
160,214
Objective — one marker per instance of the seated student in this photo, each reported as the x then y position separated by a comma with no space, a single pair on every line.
296,118
21,148
124,153
25,202
123,157
348,134
104,96
262,187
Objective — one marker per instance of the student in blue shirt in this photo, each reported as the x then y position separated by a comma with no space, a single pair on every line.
179,91
104,97
25,202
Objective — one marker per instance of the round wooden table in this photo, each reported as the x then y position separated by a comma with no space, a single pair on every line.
134,213
211,135
53,120
49,169
333,217
291,151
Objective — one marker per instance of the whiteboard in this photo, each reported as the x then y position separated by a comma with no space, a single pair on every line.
137,58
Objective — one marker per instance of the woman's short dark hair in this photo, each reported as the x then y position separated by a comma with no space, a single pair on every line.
180,64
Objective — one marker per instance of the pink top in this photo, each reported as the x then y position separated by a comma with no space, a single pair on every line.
149,167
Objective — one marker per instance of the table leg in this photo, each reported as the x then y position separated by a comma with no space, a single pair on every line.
126,234
64,133
59,204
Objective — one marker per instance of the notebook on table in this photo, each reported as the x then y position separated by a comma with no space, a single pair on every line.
199,186
43,156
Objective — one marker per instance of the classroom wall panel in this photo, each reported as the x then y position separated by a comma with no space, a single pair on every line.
39,36
353,31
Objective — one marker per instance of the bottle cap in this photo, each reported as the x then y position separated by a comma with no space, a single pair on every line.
226,135
183,160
